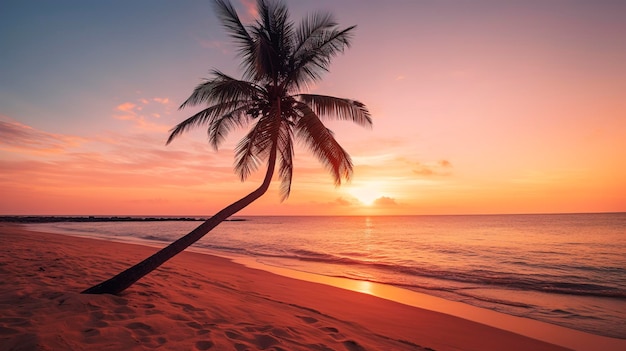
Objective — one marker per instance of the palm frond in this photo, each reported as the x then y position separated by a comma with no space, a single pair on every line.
274,19
203,117
273,39
322,143
220,89
314,55
342,109
310,27
266,60
285,147
220,127
231,22
255,146
246,158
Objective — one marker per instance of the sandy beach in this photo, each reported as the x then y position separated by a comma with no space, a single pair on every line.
204,302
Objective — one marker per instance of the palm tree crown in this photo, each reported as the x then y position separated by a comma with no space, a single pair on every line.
279,59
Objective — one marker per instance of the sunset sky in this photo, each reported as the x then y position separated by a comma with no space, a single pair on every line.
478,107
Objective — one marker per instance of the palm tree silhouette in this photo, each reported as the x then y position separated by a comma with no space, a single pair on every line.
279,60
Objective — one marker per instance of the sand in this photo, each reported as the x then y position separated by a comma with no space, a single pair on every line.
202,302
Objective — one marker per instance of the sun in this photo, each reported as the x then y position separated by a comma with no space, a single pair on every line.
365,196
365,193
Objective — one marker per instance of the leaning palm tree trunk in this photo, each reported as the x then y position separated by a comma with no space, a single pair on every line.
125,279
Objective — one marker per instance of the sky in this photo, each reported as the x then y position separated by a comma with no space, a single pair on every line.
479,107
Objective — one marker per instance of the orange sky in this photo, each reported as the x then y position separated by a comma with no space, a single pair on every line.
481,107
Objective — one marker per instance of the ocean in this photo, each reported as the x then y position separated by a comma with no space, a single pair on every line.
564,269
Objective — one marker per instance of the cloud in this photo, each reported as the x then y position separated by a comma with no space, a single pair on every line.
163,101
385,201
440,168
445,164
126,107
129,111
15,136
127,161
342,202
423,170
47,168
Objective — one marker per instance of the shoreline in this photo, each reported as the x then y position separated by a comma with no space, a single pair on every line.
258,297
539,330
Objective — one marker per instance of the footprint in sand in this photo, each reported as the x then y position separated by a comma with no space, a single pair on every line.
194,325
204,344
282,333
352,345
261,340
308,320
91,332
97,320
265,341
146,335
149,308
333,332
141,329
187,307
231,334
125,310
330,329
152,343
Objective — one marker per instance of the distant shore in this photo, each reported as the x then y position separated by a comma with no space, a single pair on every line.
55,219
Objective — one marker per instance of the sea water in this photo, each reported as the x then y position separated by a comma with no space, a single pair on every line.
565,269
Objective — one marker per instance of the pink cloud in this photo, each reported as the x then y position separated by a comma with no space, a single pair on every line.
15,136
142,120
342,202
121,161
440,168
126,107
385,201
163,101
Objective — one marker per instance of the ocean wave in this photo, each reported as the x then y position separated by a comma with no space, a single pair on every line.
505,280
154,238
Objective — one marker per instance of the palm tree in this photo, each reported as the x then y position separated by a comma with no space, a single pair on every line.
279,60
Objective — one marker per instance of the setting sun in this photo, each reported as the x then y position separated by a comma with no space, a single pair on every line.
366,193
